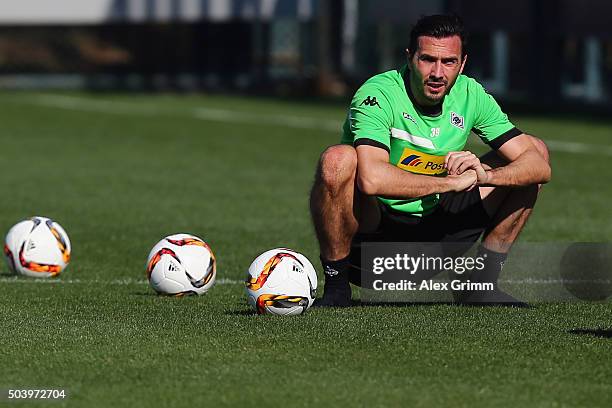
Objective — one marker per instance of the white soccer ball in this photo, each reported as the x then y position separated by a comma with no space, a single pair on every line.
281,282
38,247
181,264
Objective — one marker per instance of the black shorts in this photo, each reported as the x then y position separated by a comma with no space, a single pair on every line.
460,218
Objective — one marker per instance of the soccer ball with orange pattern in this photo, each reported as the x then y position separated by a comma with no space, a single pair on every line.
38,247
181,264
282,282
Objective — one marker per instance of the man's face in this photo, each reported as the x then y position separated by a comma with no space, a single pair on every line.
434,68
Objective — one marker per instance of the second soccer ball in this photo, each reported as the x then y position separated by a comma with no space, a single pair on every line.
181,264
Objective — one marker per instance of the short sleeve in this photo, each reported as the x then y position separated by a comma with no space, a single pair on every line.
369,118
491,124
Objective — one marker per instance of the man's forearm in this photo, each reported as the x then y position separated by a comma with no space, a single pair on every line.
392,182
529,168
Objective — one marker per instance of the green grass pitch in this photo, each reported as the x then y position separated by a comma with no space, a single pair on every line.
119,172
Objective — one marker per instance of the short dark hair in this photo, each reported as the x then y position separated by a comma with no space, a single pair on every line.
438,26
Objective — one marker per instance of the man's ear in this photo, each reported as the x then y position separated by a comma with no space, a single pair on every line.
463,64
408,57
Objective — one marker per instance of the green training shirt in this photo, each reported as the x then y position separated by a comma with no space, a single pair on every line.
382,114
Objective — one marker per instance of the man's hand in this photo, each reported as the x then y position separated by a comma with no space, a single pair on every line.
462,182
457,163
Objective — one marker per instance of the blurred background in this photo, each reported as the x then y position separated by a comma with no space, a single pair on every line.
540,52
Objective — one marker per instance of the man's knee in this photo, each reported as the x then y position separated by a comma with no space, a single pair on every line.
541,147
337,166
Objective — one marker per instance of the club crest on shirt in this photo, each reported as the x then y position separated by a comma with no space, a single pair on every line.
456,120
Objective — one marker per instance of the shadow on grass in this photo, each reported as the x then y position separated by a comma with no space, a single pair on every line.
241,312
145,294
400,304
250,312
151,294
6,275
602,333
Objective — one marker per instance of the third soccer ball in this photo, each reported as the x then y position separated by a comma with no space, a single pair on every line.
282,282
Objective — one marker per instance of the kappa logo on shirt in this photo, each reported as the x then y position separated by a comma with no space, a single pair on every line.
456,120
370,101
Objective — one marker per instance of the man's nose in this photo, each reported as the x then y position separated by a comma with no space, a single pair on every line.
436,70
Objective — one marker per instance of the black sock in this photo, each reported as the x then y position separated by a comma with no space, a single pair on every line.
336,270
337,290
493,264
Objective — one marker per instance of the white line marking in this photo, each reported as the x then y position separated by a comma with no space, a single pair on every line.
227,281
232,116
581,148
209,114
300,122
76,281
94,105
